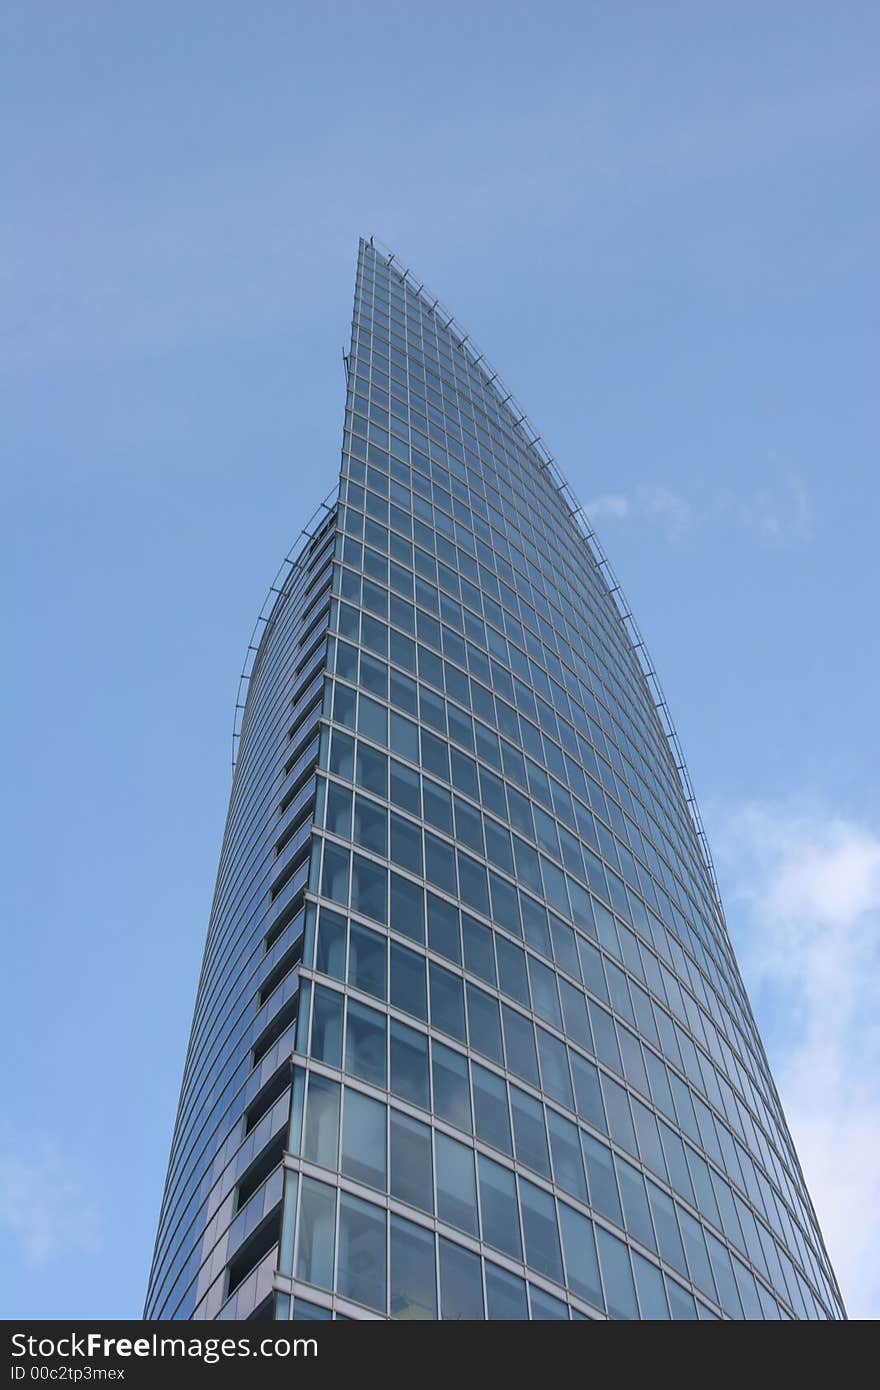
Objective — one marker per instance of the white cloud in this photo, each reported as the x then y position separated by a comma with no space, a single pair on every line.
43,1206
667,509
803,893
608,504
778,515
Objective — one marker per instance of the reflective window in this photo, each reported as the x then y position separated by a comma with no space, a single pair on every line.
413,1291
361,1269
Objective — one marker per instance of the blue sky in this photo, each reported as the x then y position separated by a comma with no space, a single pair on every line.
660,222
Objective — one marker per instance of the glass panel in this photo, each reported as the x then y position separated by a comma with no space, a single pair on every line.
555,1078
582,1269
635,1203
498,1206
456,1194
369,883
365,1043
491,1118
361,1273
288,1223
411,1164
317,1223
322,1121
601,1179
505,1295
649,1282
546,1308
366,960
479,954
413,1292
409,1065
539,1230
363,1139
327,1026
303,1311
568,1163
330,954
461,1285
697,1256
530,1137
617,1274
408,989
451,1095
443,928
519,1042
407,908
447,1002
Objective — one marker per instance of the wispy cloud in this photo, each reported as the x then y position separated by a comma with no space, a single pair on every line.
803,893
44,1207
608,504
780,514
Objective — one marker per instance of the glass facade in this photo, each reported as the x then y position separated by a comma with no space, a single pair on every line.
470,1040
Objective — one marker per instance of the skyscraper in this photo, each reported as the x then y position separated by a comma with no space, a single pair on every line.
470,1040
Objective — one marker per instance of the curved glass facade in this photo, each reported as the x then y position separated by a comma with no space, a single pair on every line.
470,1040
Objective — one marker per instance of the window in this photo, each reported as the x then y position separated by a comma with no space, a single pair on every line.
327,1026
512,971
529,1135
372,718
409,1064
649,1282
555,1078
617,1274
519,1043
365,1043
601,1179
539,1230
456,1195
317,1223
447,1002
546,999
406,844
371,770
546,1308
363,1139
411,1164
484,1023
451,1094
321,1137
568,1166
408,990
588,1096
407,908
334,880
413,1282
361,1272
635,1203
338,815
479,955
498,1207
368,888
578,1241
366,965
405,788
505,1295
491,1119
461,1287
330,951
443,936
370,825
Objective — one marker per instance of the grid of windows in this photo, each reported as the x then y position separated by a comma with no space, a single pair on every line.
527,1080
